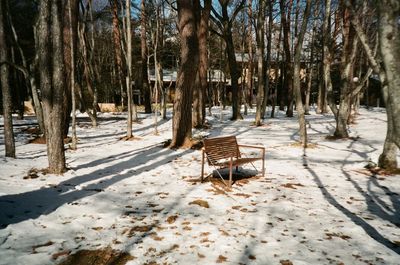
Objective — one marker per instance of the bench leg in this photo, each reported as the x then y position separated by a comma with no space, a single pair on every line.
202,165
230,173
263,163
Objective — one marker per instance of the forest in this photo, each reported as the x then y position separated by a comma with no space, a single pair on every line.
102,98
66,56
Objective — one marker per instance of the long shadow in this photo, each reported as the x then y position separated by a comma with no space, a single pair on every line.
369,229
16,208
375,205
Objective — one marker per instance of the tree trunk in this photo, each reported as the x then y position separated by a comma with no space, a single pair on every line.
129,65
389,32
251,57
182,120
52,82
201,81
288,82
348,56
5,86
277,75
143,45
268,60
117,48
260,58
388,158
296,76
72,72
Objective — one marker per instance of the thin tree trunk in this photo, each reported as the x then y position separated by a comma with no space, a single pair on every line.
143,45
296,76
117,48
5,87
129,65
251,57
288,81
268,60
72,76
260,57
277,75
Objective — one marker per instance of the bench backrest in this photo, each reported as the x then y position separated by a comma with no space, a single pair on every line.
221,148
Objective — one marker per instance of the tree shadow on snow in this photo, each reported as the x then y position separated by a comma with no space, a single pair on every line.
372,206
16,208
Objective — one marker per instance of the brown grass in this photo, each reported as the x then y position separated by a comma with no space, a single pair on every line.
200,203
106,256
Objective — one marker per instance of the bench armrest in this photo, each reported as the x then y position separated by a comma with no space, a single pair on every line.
252,146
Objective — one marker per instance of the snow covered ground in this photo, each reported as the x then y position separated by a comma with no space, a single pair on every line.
317,207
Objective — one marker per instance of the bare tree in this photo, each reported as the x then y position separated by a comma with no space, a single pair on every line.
5,86
182,120
224,22
129,65
201,81
288,80
260,33
52,80
296,76
143,45
117,47
72,75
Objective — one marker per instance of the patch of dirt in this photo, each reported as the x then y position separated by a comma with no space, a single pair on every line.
33,173
292,185
171,219
340,235
286,262
200,203
107,256
38,140
132,138
49,243
221,259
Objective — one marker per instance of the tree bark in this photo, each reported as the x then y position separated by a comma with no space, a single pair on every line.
388,158
117,48
182,120
389,32
5,86
288,81
199,114
251,57
129,65
72,73
296,76
143,46
260,61
52,82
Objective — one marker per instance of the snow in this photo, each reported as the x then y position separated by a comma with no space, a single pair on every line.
318,206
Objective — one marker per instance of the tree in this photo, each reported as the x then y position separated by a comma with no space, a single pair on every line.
260,33
201,80
144,80
288,80
224,23
296,75
117,47
129,64
52,80
389,32
5,86
72,73
182,120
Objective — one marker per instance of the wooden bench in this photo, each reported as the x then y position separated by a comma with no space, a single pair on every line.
224,152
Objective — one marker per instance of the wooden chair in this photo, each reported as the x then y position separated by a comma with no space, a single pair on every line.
224,152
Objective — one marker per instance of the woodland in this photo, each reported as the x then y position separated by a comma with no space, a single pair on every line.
312,81
66,56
